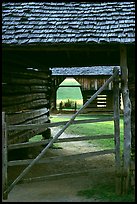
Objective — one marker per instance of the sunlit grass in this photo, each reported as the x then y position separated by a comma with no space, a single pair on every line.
92,129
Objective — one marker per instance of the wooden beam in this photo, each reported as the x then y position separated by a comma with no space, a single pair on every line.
127,118
55,124
4,158
116,102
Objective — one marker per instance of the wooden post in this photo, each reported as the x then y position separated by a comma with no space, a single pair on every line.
4,157
127,119
116,102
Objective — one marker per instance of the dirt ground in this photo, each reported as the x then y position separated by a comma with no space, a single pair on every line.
80,174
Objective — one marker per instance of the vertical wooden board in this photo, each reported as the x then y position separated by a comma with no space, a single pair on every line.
117,134
4,157
127,119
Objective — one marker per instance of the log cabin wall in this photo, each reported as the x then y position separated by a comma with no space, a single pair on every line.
26,100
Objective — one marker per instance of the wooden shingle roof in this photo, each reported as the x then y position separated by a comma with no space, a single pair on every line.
67,22
80,71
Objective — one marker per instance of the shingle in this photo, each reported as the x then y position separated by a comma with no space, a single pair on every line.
75,21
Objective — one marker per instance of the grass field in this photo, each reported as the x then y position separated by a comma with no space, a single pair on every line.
72,94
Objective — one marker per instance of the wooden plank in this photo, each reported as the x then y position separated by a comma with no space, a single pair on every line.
20,89
22,116
29,81
27,74
127,119
71,139
4,158
62,158
117,133
26,106
19,99
19,137
55,124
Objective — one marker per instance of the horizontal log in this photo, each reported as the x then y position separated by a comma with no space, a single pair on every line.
71,139
62,158
28,81
33,126
20,89
27,74
21,117
19,99
25,135
26,106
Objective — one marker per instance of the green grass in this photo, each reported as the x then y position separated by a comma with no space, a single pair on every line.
106,192
69,93
91,129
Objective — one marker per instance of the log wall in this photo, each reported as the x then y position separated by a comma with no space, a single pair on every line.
26,100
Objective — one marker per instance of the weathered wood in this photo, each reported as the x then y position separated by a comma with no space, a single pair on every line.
71,139
127,119
4,158
25,81
21,117
27,74
20,136
20,89
19,99
40,103
62,158
55,124
117,133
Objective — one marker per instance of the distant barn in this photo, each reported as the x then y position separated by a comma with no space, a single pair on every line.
90,80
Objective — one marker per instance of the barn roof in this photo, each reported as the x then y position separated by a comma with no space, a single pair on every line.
67,22
80,71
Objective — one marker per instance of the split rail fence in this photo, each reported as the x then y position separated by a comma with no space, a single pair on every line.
5,127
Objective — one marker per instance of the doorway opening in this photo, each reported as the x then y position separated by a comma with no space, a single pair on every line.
69,95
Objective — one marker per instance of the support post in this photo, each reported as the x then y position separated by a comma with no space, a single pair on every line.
127,119
4,158
116,103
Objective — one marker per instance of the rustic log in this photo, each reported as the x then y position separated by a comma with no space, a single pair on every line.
117,133
21,117
4,158
41,103
29,81
19,99
27,74
127,119
20,89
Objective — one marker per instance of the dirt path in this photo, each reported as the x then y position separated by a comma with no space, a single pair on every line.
63,188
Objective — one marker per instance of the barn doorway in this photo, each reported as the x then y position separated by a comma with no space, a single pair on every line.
69,95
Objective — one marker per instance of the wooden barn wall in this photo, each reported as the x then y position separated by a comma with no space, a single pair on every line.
26,100
93,82
89,85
